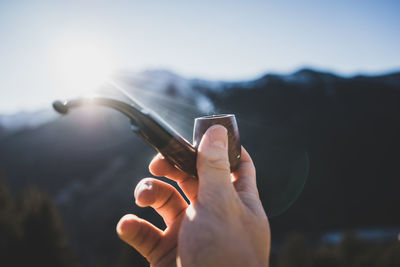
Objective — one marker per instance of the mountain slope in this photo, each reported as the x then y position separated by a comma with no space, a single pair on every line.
347,128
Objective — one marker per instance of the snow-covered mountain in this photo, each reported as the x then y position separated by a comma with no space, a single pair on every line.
168,84
169,88
145,86
23,119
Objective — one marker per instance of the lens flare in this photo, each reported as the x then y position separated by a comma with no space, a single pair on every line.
82,65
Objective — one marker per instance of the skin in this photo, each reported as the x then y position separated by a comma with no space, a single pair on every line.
224,224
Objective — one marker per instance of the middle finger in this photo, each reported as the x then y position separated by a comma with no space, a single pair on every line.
160,167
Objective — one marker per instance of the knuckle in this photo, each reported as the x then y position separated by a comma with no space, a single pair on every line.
136,238
216,163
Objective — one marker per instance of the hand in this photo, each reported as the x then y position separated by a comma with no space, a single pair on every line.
225,223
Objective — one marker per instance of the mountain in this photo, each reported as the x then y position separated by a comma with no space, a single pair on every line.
167,83
346,128
349,128
23,119
143,86
3,132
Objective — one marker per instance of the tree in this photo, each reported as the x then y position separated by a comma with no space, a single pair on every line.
31,233
10,231
44,240
295,252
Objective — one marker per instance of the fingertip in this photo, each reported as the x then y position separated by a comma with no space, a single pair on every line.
218,128
245,156
138,233
160,167
246,165
156,165
145,193
127,224
217,136
212,154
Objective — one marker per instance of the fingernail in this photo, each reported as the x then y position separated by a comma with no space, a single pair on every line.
218,136
147,185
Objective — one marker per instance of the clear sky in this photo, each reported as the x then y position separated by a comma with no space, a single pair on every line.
41,42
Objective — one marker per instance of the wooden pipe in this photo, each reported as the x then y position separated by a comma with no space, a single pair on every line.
164,139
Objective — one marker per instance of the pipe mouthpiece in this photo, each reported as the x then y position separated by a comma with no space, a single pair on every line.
60,107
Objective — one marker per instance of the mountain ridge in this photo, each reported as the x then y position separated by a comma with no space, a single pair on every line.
89,161
162,80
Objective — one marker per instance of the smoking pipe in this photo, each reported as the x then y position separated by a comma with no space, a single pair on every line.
163,138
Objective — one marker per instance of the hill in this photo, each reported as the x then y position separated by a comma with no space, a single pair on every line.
347,128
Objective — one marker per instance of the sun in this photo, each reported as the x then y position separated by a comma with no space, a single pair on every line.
81,66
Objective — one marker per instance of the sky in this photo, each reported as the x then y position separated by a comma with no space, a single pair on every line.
46,46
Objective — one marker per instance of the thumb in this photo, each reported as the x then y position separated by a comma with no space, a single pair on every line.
213,166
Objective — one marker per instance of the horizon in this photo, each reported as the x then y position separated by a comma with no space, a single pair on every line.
321,71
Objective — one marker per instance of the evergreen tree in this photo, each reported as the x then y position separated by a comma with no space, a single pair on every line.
44,241
326,256
10,232
295,252
31,233
130,257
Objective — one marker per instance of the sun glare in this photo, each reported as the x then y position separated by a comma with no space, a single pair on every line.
82,66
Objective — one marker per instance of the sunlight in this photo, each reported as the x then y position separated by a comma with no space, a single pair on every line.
81,66
190,212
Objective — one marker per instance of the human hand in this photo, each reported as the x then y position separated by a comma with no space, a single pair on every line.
225,223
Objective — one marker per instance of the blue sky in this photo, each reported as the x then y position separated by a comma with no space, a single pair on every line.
228,40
